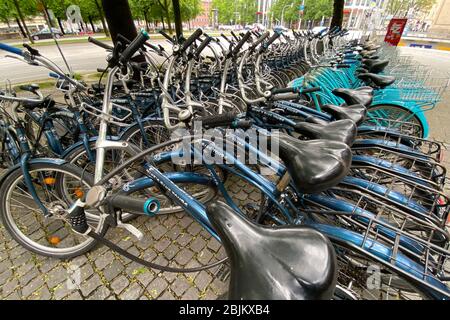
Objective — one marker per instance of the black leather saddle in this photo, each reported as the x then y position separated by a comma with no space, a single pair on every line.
363,95
379,80
342,131
375,66
356,112
314,165
285,263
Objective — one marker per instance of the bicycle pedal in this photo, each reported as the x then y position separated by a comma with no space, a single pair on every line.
131,229
223,273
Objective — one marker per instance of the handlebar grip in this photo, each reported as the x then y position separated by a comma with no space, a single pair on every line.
234,35
259,40
340,66
100,44
11,49
242,124
153,47
166,36
310,90
225,119
101,70
274,37
123,39
186,44
202,46
134,46
54,75
225,37
241,43
284,90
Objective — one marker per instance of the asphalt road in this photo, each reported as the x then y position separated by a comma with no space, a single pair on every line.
82,57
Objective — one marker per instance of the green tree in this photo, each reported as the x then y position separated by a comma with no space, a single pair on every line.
236,12
314,9
400,8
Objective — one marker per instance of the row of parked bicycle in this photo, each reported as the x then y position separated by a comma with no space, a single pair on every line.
350,192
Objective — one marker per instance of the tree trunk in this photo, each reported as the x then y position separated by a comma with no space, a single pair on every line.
146,20
21,28
162,20
338,13
92,24
118,16
102,18
61,26
22,20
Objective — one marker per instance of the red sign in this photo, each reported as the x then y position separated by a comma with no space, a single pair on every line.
259,12
394,31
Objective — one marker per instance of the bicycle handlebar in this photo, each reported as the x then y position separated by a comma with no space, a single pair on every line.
187,43
259,40
134,46
202,46
228,119
244,39
166,36
11,49
100,44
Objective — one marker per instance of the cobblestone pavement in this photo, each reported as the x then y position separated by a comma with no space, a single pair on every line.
106,275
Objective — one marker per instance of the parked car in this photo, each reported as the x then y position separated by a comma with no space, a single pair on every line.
280,29
317,30
45,34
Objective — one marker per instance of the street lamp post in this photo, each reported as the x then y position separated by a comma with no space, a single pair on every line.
282,13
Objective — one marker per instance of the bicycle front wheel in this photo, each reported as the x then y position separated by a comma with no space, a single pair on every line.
57,187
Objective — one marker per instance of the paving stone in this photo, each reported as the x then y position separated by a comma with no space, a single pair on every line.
184,239
180,285
113,270
145,278
171,251
5,275
194,229
41,294
48,264
162,244
75,296
204,256
133,292
185,221
198,244
35,284
9,287
214,245
158,231
119,284
100,294
156,287
144,243
191,294
174,233
88,286
219,287
13,296
184,256
86,271
167,296
202,280
56,276
61,291
30,275
104,260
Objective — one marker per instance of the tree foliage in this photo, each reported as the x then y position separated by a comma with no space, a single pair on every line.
314,9
400,8
236,11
